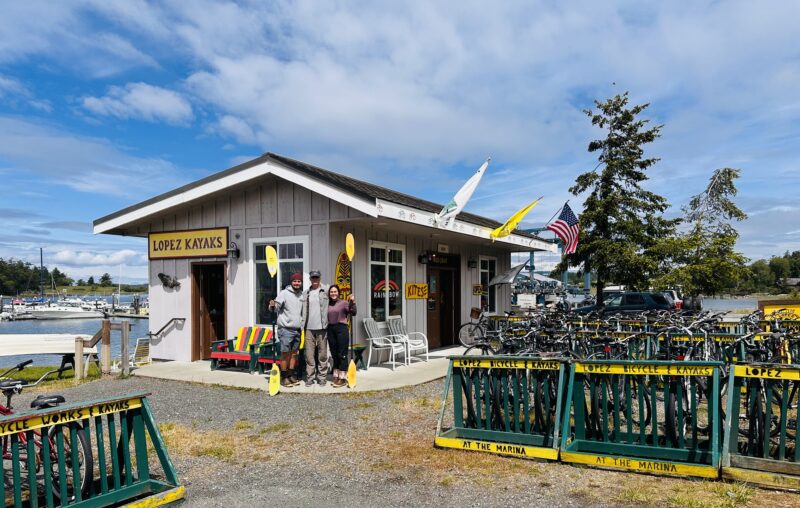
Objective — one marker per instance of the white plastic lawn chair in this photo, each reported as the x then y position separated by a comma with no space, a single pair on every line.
381,342
414,341
139,357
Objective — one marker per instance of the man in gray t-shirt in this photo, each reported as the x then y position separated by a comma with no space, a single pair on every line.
315,315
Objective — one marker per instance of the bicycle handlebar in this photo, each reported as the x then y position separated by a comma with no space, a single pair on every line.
16,367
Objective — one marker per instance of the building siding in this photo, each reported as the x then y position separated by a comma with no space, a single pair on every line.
273,208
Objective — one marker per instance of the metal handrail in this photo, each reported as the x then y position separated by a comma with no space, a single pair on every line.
156,334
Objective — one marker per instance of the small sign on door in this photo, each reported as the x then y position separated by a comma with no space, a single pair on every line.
478,290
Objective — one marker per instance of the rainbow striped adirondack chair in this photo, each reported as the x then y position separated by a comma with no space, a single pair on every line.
267,352
243,347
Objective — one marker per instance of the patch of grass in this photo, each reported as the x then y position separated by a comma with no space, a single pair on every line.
582,493
361,405
243,424
634,496
33,373
523,466
733,495
275,427
688,500
545,484
231,447
447,481
235,388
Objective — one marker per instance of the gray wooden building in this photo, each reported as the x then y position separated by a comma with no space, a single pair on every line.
305,212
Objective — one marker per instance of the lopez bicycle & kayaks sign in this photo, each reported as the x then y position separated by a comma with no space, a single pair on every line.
192,243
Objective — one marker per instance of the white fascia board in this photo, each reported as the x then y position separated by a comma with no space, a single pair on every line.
415,216
265,168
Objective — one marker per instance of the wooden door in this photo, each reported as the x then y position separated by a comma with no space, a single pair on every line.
208,304
434,308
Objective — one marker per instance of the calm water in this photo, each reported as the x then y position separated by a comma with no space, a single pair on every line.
722,304
139,328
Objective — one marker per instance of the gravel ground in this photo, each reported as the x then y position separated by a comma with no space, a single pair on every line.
236,447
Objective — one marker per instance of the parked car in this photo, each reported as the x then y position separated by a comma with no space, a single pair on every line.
673,295
577,297
632,302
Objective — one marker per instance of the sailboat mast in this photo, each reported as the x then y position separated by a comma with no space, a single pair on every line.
41,273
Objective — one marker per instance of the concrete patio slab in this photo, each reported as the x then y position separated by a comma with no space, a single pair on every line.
378,377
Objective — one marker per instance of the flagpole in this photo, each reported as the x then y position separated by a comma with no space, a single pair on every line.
551,218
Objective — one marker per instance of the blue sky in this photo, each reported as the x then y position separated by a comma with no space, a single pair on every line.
106,103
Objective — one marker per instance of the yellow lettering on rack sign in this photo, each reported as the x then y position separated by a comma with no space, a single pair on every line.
470,363
67,415
195,243
498,448
634,464
675,369
768,372
416,291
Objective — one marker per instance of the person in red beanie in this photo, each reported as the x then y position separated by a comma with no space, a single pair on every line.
288,306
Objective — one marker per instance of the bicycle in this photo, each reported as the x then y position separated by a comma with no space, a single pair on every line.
11,387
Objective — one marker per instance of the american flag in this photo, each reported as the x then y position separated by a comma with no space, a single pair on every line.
566,228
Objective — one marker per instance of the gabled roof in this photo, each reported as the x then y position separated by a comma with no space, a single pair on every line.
349,186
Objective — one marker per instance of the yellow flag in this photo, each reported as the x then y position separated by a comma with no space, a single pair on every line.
512,222
272,261
350,246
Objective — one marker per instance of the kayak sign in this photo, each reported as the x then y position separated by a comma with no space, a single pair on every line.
193,243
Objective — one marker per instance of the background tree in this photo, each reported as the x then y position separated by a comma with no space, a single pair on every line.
622,224
90,282
704,257
60,278
105,279
80,282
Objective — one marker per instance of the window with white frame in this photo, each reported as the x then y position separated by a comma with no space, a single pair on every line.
386,275
291,259
489,295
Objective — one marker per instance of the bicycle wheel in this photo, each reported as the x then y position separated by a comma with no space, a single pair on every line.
672,427
85,463
479,350
470,333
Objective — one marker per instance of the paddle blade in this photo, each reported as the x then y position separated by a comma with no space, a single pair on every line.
350,246
272,260
351,374
274,380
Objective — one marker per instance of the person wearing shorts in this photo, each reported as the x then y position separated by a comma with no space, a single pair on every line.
288,305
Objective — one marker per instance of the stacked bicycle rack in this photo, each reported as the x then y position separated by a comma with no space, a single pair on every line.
633,406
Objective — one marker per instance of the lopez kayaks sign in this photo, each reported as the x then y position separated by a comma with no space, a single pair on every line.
193,243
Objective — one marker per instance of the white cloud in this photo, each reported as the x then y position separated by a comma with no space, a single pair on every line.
82,163
13,92
141,101
67,34
90,258
403,94
10,86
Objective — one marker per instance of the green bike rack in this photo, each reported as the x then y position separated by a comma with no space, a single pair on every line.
619,419
507,405
115,429
761,397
